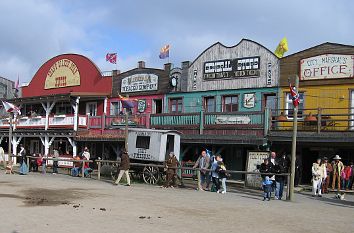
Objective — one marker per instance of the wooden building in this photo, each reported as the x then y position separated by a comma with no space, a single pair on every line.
326,107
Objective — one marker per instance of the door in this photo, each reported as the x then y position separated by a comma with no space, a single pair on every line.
91,108
170,144
34,147
270,101
157,106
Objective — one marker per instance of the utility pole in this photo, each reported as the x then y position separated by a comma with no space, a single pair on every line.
293,146
9,158
126,126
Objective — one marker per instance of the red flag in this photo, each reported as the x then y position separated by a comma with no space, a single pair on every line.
111,57
294,95
9,107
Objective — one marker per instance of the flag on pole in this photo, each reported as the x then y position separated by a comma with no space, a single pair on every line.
127,102
294,95
17,84
111,57
281,48
9,107
165,52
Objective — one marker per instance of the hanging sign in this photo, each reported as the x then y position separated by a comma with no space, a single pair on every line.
63,73
327,66
141,105
139,82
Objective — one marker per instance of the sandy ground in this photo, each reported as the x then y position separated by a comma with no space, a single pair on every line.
59,203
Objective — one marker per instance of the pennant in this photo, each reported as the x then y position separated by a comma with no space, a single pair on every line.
9,107
127,102
111,57
281,48
294,95
165,52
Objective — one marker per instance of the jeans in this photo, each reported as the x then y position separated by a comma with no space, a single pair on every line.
336,177
279,187
75,171
120,175
216,182
223,183
55,166
44,167
316,187
202,179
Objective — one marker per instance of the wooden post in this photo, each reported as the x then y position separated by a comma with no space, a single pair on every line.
28,162
83,169
293,146
288,189
201,122
198,178
9,158
126,127
99,169
319,120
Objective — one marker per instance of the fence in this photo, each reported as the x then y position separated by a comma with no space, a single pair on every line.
182,170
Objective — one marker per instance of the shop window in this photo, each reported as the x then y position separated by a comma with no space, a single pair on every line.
114,108
63,109
230,103
176,105
143,142
289,107
209,104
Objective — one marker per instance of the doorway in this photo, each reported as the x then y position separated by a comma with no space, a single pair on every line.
157,106
270,101
170,145
91,108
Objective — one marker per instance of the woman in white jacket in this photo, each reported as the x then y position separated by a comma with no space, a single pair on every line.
318,174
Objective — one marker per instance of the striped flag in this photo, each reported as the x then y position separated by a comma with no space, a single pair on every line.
9,107
165,52
111,57
294,95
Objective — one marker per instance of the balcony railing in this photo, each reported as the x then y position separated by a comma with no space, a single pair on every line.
315,119
109,122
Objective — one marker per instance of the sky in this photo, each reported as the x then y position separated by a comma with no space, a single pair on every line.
33,31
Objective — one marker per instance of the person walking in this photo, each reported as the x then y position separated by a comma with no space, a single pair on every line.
337,170
203,164
215,173
318,174
55,161
329,170
124,167
171,165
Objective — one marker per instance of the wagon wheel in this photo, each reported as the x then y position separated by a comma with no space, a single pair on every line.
151,175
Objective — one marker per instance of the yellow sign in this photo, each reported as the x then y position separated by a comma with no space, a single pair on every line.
63,73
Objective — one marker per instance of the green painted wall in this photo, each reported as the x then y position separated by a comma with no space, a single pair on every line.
193,101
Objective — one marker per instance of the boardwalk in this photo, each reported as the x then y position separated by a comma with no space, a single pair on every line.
58,203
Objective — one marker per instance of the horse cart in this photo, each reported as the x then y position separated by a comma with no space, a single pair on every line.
148,148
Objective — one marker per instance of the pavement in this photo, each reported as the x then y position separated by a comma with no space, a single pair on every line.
38,203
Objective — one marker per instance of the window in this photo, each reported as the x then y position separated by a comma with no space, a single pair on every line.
290,108
143,142
209,104
230,103
63,108
176,105
114,109
91,108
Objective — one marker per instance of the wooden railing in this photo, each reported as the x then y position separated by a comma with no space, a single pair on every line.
182,119
315,119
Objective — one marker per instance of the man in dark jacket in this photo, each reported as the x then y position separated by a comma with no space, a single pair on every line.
281,166
265,167
171,165
124,167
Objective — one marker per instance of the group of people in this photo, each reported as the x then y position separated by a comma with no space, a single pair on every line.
324,172
271,183
212,169
77,166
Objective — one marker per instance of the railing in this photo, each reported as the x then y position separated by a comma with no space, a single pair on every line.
315,119
182,119
237,118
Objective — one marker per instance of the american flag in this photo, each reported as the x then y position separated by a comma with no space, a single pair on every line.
111,57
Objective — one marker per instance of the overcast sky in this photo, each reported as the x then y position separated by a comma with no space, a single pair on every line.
33,31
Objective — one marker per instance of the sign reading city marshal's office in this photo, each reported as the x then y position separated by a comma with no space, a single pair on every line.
327,66
139,82
63,73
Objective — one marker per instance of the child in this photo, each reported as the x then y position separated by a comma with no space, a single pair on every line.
267,188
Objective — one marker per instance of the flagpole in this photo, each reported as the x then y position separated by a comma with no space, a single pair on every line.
293,147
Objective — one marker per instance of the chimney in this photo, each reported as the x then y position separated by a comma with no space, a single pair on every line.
167,67
115,73
141,64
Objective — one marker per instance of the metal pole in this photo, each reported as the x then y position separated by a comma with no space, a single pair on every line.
9,158
126,126
293,147
99,170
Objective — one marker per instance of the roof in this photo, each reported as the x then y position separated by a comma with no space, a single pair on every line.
316,46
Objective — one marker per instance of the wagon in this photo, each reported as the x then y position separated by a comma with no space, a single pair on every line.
151,147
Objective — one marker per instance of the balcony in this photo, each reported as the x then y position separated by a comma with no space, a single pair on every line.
220,123
38,122
116,122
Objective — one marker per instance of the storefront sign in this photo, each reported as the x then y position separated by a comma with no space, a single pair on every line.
139,82
141,105
229,68
194,86
63,73
254,161
328,66
234,120
269,74
249,100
